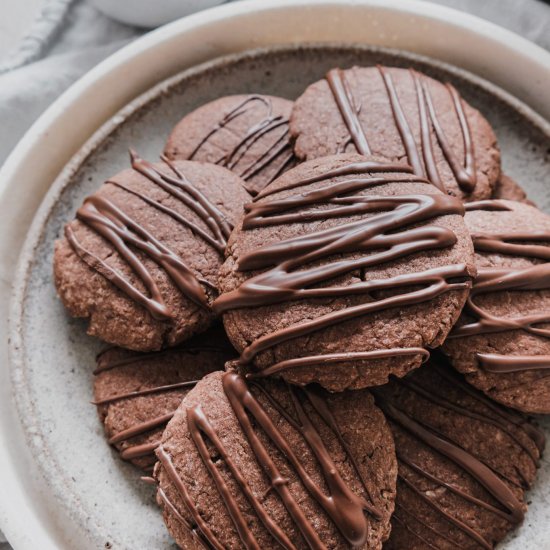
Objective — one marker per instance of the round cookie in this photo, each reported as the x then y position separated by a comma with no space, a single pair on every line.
269,465
246,133
137,393
405,116
141,259
502,340
343,271
511,190
464,462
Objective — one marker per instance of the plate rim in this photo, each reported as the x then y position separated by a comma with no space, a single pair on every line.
10,171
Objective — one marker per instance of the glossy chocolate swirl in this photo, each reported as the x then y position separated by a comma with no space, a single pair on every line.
347,510
126,235
270,128
533,245
457,400
420,157
292,270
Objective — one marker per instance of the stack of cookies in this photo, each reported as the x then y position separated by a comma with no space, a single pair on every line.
328,319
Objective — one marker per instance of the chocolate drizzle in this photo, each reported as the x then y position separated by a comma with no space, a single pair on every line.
155,424
345,508
290,267
279,148
502,279
127,236
494,481
423,161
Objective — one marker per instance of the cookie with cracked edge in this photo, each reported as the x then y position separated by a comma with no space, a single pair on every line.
405,116
269,465
246,133
141,259
343,271
501,342
509,189
137,393
464,461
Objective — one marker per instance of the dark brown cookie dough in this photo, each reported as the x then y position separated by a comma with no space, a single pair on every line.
268,465
246,133
405,116
141,259
511,190
343,271
464,462
137,393
502,340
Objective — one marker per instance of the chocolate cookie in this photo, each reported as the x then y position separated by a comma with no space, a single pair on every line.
343,271
502,340
405,116
511,190
246,133
268,465
464,462
137,393
141,259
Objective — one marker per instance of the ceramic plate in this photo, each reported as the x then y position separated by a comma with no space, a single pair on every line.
53,357
62,485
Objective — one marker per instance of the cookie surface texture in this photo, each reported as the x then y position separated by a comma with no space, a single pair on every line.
268,465
343,271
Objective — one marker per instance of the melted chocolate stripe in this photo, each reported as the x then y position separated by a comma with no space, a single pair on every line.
509,415
169,468
426,525
346,105
425,134
330,358
291,266
201,428
121,231
141,428
495,363
407,137
479,471
179,186
316,400
218,245
414,297
104,365
452,488
263,127
350,169
139,450
248,141
154,305
465,174
534,278
197,535
407,527
147,391
489,205
472,533
463,411
342,505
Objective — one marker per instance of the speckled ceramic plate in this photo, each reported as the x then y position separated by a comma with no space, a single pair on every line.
98,499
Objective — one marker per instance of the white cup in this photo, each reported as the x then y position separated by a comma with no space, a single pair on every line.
151,13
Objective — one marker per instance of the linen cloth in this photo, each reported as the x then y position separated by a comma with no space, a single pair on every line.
81,37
